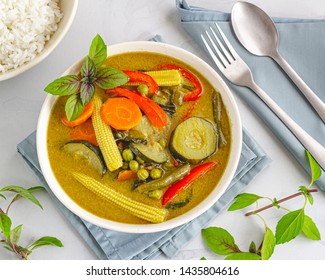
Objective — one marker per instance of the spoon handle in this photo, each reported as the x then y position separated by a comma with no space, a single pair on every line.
313,99
314,147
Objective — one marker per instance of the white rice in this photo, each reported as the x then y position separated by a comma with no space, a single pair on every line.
25,27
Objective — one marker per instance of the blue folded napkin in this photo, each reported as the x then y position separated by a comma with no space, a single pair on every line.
302,44
108,244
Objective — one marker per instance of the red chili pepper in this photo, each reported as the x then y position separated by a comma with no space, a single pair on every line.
190,96
140,77
182,184
153,111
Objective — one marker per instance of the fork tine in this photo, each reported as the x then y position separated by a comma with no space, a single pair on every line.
224,38
221,56
225,52
214,57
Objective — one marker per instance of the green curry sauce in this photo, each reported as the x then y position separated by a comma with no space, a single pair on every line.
63,163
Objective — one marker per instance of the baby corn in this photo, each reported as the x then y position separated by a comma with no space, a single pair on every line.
138,209
166,77
105,138
163,78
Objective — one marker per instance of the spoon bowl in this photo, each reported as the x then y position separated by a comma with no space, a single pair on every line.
258,34
254,29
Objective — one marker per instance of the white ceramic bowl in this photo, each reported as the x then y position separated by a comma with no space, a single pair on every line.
68,8
236,131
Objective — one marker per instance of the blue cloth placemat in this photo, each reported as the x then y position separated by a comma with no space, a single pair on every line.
301,43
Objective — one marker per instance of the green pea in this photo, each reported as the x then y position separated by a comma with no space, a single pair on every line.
155,173
133,165
143,89
142,174
127,155
155,194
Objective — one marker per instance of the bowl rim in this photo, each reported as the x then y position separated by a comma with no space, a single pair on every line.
212,198
47,50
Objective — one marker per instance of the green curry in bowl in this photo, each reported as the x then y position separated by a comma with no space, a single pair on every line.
172,138
143,140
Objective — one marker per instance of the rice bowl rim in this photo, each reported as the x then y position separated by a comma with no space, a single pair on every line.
69,9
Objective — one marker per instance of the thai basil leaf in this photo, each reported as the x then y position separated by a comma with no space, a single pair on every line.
109,78
66,85
5,225
73,107
243,200
44,241
88,68
22,192
268,244
8,248
315,169
243,256
219,241
1,195
252,247
289,226
15,234
87,92
310,229
30,190
98,51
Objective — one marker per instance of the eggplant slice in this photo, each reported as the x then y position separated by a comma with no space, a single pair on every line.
89,152
151,153
194,140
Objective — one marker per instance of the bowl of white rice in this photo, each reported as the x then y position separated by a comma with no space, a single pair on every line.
30,30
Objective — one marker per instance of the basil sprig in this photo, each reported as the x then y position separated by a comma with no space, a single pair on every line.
81,88
9,235
290,225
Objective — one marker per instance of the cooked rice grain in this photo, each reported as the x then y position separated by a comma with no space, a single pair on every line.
25,27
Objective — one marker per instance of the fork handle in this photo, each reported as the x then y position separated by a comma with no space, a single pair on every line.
314,147
313,99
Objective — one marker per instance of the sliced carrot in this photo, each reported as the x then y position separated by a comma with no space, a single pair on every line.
125,175
85,115
153,111
84,131
120,113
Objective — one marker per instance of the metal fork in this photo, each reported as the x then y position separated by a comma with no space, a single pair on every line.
238,72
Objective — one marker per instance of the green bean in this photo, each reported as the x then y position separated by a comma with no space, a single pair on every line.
166,180
217,111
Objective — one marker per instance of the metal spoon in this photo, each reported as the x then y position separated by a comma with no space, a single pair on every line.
258,34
